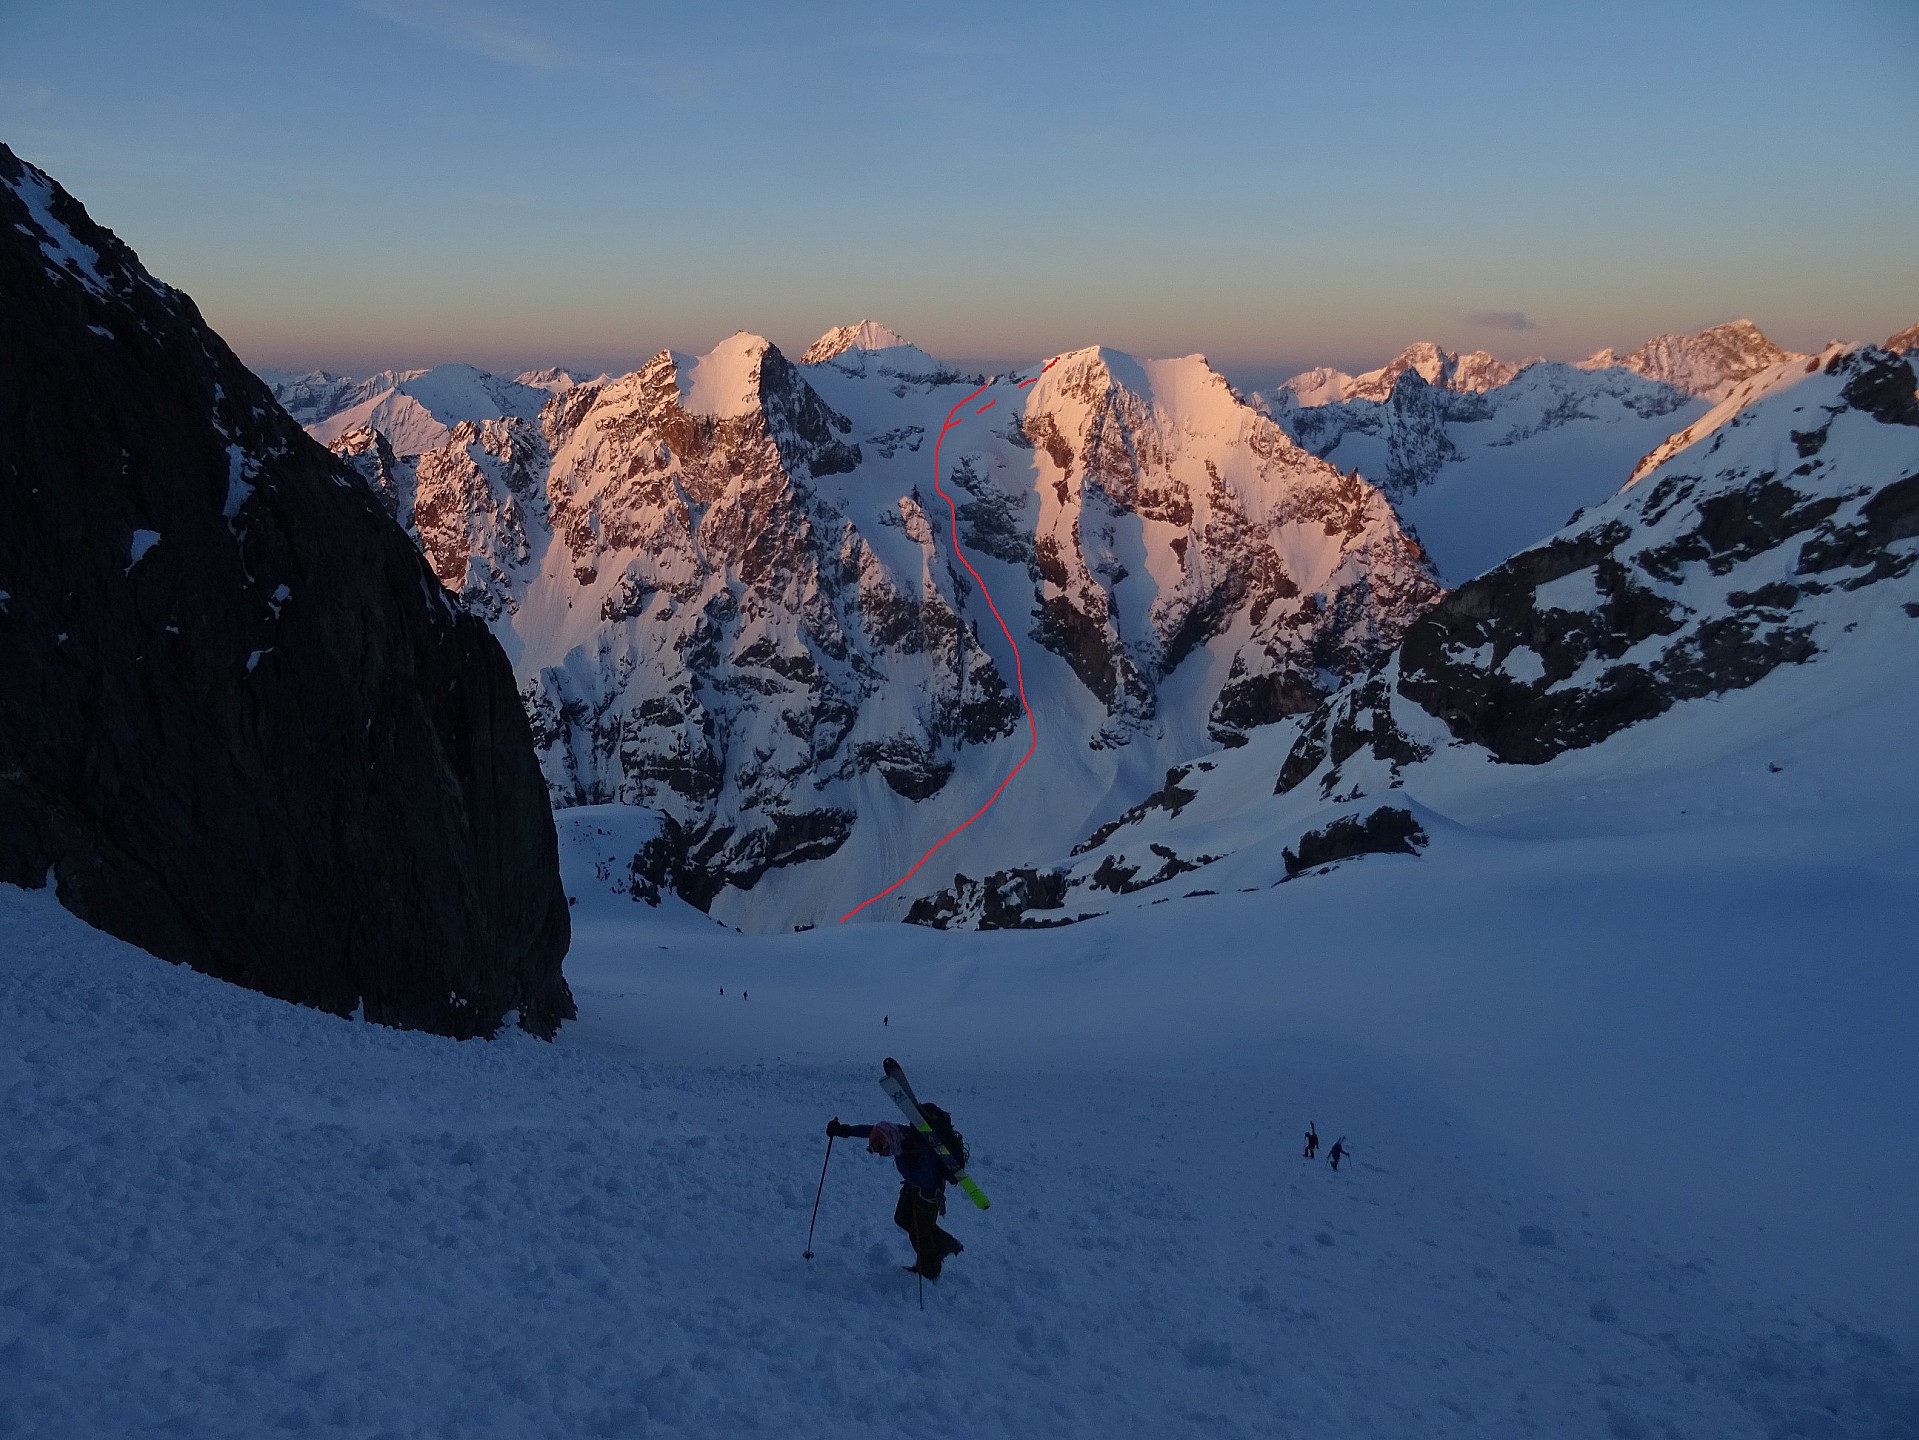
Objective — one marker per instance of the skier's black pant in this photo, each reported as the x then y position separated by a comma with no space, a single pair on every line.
919,1216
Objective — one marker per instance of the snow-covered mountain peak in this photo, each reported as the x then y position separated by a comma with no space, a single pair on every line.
1907,339
727,596
1708,364
867,335
724,383
870,348
74,249
1472,372
1183,393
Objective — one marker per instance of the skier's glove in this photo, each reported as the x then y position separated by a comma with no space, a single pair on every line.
837,1130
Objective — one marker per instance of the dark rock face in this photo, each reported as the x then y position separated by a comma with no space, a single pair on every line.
1389,830
1002,901
1879,383
242,725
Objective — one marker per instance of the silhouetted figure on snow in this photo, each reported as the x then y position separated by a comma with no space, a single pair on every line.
922,1181
886,1020
1312,1140
1338,1152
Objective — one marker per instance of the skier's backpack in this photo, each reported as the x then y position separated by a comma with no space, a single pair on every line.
944,1132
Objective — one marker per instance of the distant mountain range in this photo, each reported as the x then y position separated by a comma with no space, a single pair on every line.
1484,456
728,587
813,617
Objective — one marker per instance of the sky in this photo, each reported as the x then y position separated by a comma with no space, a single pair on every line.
1275,185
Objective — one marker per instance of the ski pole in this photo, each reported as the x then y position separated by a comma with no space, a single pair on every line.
816,1198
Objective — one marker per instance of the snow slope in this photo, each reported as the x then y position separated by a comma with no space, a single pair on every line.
1631,1155
1624,1058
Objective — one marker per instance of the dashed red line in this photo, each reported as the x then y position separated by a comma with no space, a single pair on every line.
1042,370
1019,672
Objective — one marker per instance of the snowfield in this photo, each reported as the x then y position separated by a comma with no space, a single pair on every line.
1627,1079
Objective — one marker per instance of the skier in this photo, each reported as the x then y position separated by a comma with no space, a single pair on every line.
922,1182
1338,1152
1312,1140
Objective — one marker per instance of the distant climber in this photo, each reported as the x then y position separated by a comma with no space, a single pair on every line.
886,1020
1312,1139
1338,1152
922,1181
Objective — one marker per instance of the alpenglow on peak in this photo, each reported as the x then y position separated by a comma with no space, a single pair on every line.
867,335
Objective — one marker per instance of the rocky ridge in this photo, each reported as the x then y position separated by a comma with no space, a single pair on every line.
1709,364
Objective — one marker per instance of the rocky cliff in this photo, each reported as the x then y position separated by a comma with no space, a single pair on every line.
242,725
729,586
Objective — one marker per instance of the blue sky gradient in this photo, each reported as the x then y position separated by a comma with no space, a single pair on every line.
581,182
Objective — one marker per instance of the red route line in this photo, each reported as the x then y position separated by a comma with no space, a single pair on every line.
1019,673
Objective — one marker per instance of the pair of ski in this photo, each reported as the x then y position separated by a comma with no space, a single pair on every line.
893,1082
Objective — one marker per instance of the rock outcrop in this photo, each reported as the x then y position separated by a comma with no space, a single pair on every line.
243,727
